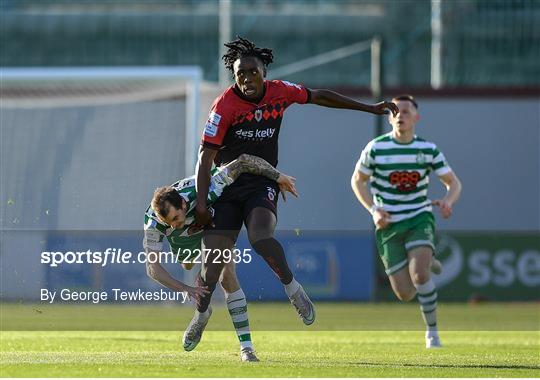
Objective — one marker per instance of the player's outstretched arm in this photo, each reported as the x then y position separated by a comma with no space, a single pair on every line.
332,99
204,166
159,274
247,163
453,191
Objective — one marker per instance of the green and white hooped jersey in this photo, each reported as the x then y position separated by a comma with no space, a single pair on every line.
400,174
188,237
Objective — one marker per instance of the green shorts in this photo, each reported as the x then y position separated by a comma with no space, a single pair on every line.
186,249
395,241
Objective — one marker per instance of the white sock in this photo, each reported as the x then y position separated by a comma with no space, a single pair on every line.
291,287
427,297
202,316
237,305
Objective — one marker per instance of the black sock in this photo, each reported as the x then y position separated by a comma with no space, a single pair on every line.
203,302
272,252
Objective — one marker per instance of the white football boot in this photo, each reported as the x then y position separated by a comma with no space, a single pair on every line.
303,305
433,340
194,331
247,354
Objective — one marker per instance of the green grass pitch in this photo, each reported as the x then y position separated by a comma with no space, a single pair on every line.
348,340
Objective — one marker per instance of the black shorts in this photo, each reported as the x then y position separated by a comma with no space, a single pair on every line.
236,202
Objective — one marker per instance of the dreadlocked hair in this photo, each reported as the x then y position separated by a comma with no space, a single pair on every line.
242,47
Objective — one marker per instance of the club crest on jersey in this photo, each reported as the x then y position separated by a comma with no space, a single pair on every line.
420,158
258,115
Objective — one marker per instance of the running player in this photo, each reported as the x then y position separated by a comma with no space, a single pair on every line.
397,165
246,118
171,214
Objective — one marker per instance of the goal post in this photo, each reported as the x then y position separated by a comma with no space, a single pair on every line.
48,87
81,151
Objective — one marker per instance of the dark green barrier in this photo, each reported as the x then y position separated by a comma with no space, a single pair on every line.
485,266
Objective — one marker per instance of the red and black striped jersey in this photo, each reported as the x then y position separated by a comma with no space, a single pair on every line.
236,125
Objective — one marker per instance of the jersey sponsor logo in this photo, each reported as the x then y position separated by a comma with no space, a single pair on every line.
271,193
152,237
187,183
149,241
254,135
404,180
214,118
290,84
210,130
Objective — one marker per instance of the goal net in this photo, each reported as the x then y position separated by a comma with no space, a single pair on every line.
82,150
72,138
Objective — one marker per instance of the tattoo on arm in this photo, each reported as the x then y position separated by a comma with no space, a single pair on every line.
251,164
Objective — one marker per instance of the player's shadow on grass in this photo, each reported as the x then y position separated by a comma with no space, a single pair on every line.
449,365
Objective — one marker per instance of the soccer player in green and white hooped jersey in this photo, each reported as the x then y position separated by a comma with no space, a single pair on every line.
397,165
171,215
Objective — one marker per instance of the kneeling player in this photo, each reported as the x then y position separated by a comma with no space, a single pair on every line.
398,165
170,214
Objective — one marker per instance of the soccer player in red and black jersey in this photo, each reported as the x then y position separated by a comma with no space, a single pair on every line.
246,118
